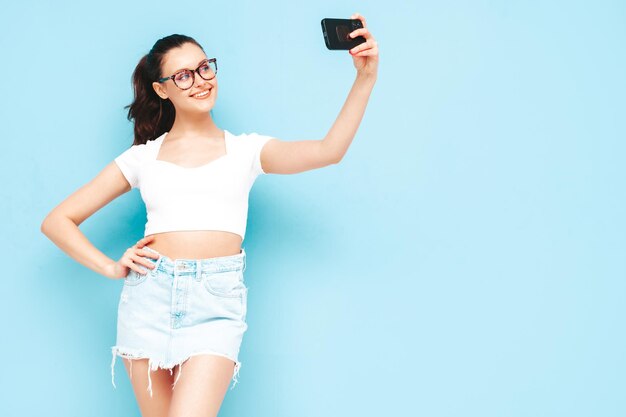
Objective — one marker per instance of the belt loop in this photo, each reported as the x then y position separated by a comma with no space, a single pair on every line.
198,269
244,259
157,262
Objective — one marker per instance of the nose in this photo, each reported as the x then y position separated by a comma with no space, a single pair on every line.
199,81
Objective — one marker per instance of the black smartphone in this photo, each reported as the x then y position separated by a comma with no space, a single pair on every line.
336,33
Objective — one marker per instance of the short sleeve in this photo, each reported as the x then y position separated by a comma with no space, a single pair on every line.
129,163
256,142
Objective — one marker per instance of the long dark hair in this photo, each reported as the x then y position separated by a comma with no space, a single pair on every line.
153,115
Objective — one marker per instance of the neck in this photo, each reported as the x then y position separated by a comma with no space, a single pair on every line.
194,124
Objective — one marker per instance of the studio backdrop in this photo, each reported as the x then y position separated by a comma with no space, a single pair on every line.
465,258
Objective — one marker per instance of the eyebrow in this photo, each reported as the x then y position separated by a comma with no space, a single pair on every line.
178,70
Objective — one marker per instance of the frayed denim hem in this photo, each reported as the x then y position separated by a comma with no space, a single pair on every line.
153,365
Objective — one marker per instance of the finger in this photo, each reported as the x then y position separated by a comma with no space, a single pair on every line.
143,252
144,241
363,32
132,266
362,46
361,18
138,260
139,270
367,52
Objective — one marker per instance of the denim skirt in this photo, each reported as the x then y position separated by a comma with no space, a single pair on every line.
181,308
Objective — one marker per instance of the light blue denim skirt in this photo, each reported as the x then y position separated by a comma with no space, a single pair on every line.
181,308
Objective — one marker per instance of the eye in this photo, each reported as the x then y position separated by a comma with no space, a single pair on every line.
182,76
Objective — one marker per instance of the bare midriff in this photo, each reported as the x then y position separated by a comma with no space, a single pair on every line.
196,244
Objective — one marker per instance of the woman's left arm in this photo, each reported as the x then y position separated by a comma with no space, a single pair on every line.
291,157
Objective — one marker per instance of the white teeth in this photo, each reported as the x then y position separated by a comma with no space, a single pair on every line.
202,94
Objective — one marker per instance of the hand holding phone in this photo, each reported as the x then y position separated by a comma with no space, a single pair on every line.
337,33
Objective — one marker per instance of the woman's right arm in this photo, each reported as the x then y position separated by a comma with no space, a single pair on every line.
61,224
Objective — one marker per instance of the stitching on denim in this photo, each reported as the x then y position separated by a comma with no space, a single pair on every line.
206,282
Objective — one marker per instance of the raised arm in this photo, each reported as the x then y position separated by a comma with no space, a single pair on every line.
291,157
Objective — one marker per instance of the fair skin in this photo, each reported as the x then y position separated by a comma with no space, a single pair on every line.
194,140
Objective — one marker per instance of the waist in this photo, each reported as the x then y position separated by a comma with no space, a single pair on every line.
196,267
196,244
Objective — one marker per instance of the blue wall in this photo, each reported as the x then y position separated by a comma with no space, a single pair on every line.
466,258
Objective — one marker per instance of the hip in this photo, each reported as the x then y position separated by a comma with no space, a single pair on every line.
180,292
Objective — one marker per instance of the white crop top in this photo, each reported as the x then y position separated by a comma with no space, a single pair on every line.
213,196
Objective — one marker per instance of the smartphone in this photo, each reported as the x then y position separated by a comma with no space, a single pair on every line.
336,33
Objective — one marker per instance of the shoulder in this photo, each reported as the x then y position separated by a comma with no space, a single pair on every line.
137,153
130,161
249,146
250,140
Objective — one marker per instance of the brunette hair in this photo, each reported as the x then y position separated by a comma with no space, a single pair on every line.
153,115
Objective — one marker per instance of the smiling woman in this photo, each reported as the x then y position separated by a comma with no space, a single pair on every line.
184,298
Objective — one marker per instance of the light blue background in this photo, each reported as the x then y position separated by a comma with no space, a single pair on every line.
466,258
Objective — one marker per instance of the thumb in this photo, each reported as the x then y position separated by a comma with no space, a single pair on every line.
144,241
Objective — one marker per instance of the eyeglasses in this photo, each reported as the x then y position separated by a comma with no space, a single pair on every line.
184,79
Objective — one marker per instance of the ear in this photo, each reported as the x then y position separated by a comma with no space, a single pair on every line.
158,88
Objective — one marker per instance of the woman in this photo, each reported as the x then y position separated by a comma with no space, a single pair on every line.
184,297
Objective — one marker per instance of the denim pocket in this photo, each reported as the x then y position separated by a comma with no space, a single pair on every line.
135,278
225,283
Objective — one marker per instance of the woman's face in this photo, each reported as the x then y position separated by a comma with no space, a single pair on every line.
188,56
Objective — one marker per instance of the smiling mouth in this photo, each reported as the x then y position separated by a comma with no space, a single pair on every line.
203,94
